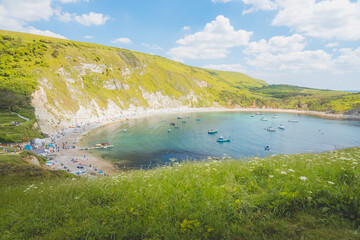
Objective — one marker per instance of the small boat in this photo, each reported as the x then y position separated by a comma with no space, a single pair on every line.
267,148
253,115
258,113
176,126
183,121
169,130
198,119
293,120
179,117
188,117
172,124
125,130
275,116
282,127
222,139
212,131
264,119
271,129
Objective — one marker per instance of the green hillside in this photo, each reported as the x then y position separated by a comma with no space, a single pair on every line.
303,196
68,81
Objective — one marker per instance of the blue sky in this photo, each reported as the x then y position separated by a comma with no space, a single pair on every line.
313,43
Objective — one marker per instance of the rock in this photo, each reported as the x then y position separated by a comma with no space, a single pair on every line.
355,111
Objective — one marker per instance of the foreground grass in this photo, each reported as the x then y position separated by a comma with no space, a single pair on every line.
304,196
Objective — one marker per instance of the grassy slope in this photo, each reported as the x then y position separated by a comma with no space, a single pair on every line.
210,200
15,170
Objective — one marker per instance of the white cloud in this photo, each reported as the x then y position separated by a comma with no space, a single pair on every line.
72,1
283,44
88,37
226,67
214,41
221,1
332,44
122,40
22,10
64,16
186,28
298,61
92,19
329,19
257,5
152,47
15,15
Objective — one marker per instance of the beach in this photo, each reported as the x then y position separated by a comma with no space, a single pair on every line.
83,163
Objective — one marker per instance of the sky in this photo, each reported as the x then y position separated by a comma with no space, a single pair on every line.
310,43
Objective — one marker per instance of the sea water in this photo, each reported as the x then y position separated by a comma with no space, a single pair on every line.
147,141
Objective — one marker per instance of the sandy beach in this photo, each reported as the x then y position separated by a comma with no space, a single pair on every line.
68,156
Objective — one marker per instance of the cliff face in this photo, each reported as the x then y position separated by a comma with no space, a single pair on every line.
72,82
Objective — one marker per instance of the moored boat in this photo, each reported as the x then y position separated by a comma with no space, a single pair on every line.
267,148
271,129
282,127
212,131
223,139
264,119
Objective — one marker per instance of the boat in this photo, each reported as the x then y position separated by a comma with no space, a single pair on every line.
179,117
176,126
169,130
275,116
223,139
267,148
198,119
271,129
253,115
258,113
293,120
212,131
282,127
172,124
264,119
124,130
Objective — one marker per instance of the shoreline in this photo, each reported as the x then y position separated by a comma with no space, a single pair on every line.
85,158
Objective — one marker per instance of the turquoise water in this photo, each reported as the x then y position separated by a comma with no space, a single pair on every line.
147,142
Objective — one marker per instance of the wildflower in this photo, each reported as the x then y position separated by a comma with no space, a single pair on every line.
283,172
330,182
73,179
271,176
355,163
303,178
207,165
290,170
76,197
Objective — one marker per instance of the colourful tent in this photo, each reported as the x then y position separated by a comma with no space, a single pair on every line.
27,147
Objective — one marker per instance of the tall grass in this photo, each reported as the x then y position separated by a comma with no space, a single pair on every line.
309,196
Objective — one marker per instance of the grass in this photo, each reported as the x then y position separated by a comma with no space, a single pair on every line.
15,170
303,196
11,134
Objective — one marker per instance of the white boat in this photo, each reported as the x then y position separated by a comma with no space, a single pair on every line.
282,127
293,120
264,119
271,129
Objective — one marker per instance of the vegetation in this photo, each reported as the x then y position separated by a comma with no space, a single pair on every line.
304,196
15,169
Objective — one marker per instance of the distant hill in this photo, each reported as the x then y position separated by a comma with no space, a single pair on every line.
68,82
